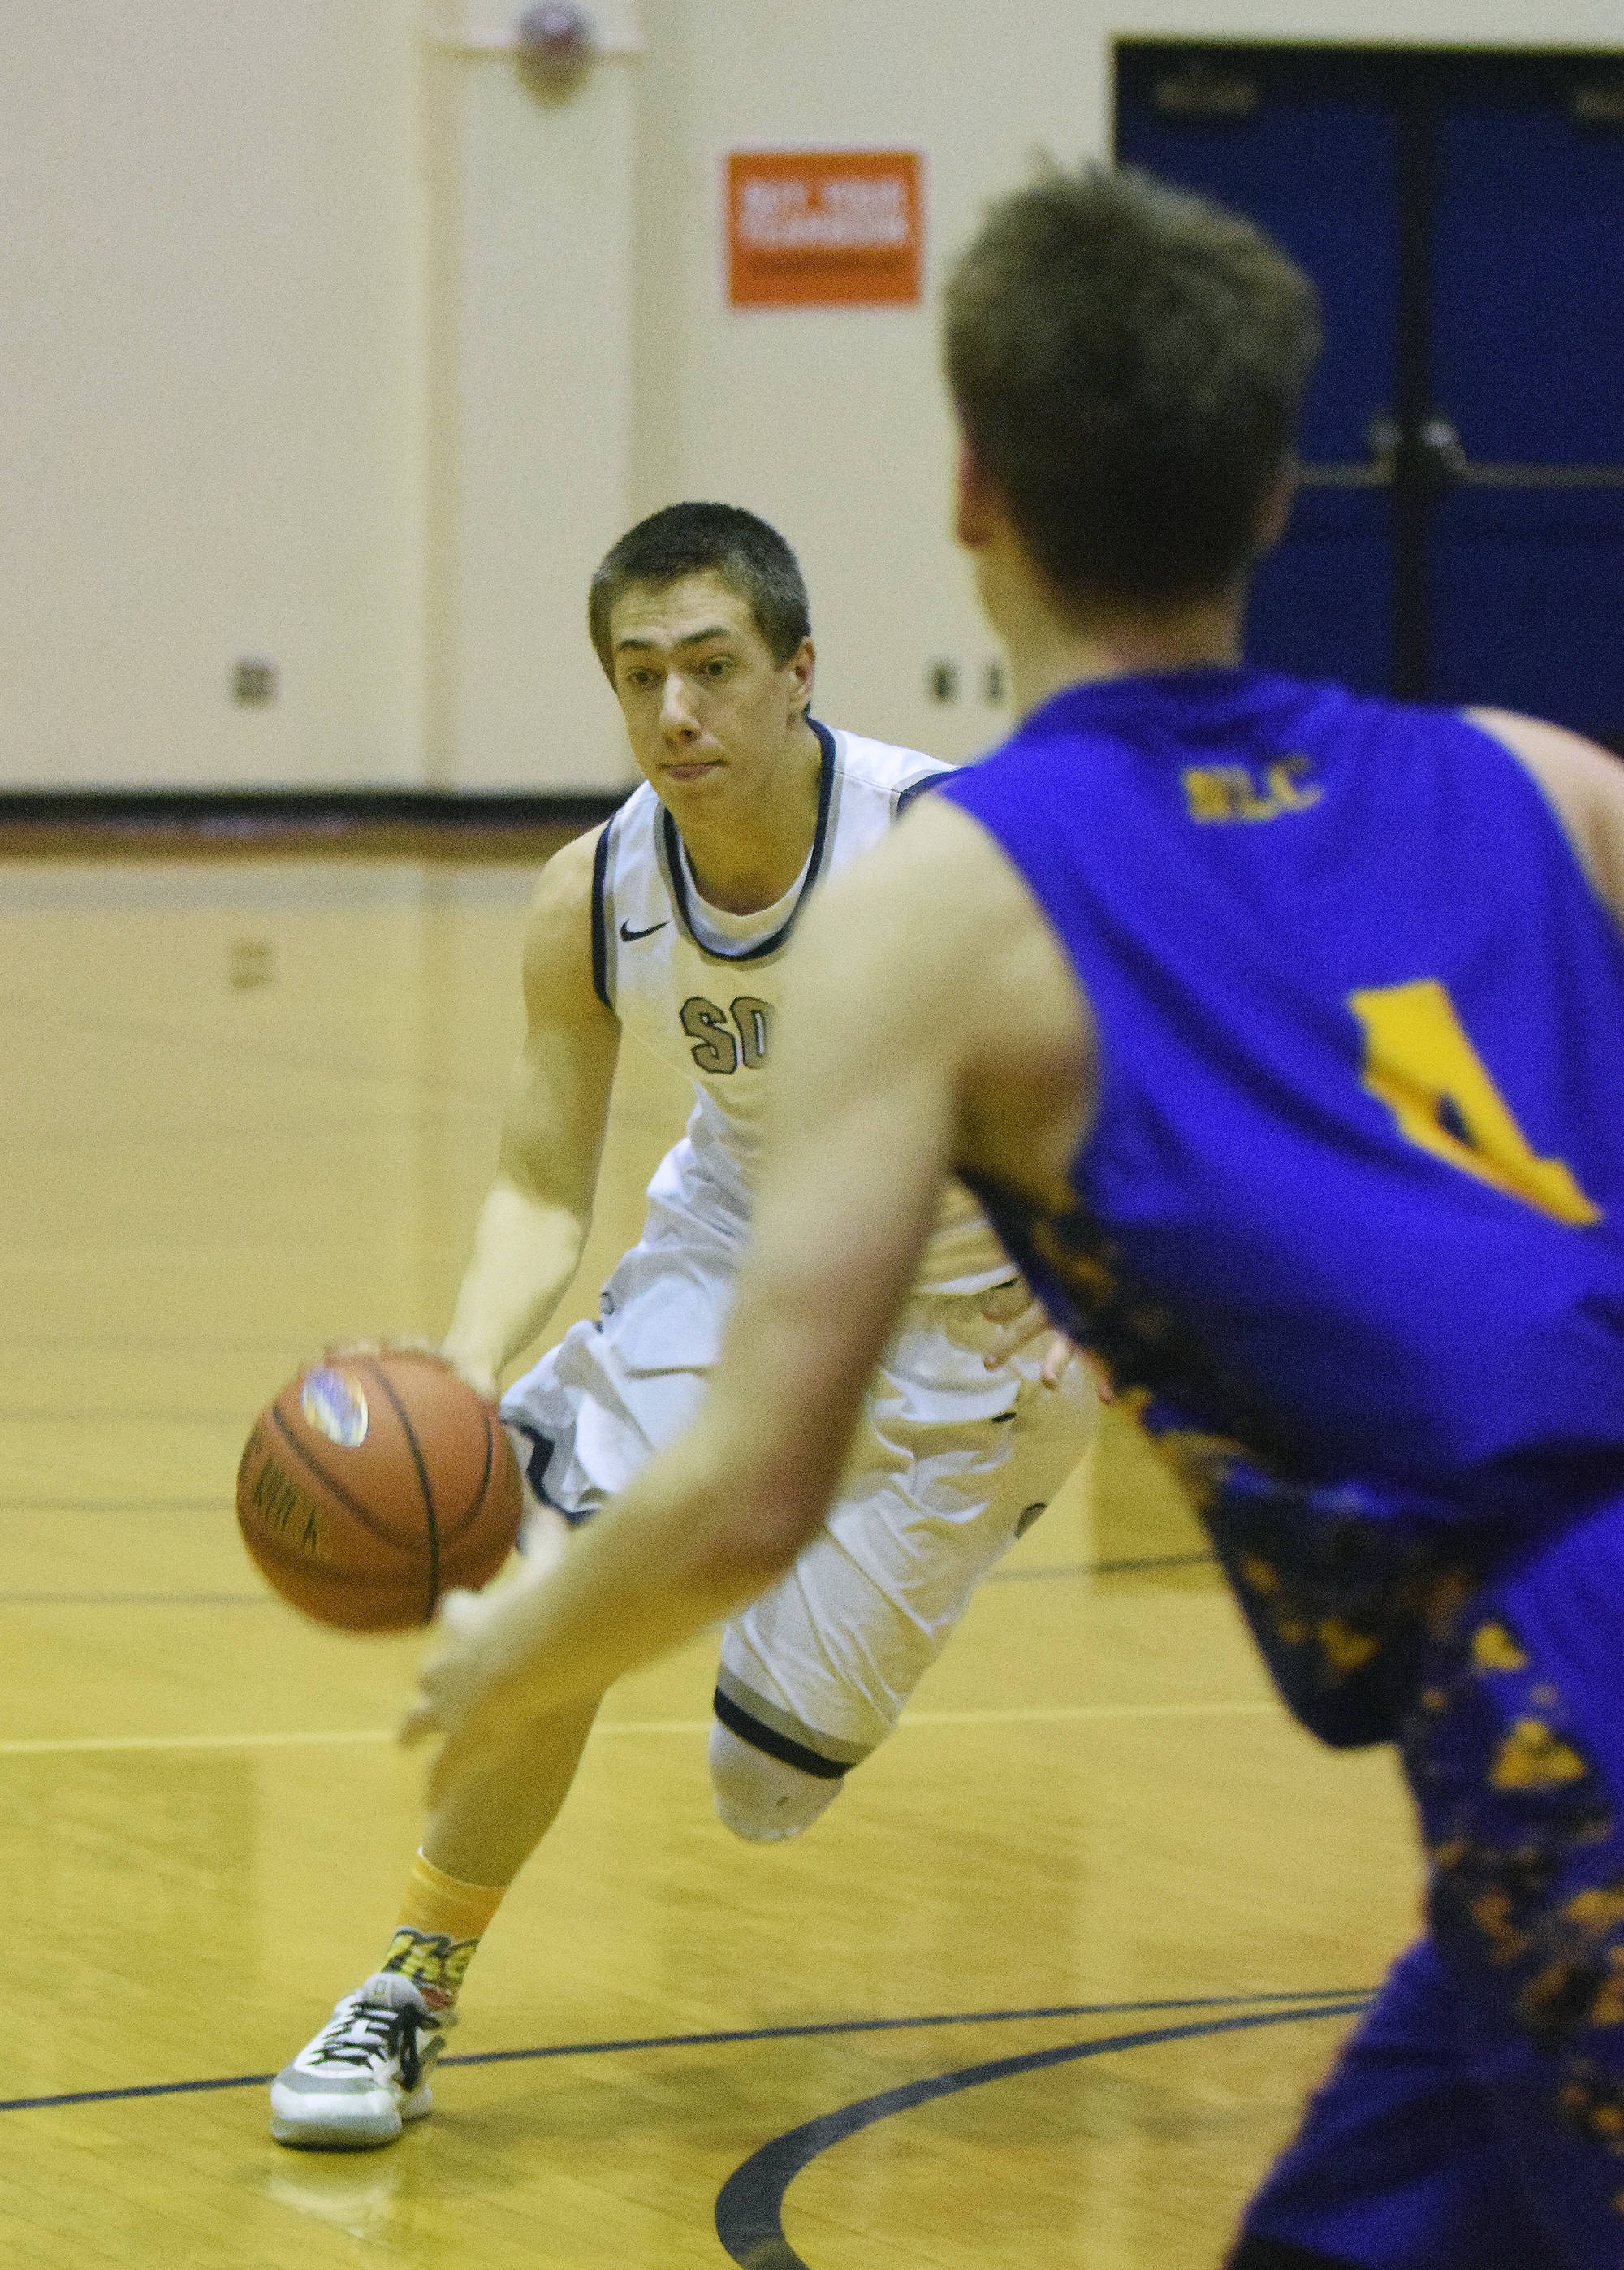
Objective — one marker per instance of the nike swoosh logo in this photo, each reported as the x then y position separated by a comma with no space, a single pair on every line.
629,934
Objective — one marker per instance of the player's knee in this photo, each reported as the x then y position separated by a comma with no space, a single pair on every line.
762,1797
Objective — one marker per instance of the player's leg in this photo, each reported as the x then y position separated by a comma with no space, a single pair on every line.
1516,1756
1396,2165
950,1464
366,2073
1492,2102
585,1420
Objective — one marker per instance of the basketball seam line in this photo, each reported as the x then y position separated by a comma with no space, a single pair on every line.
429,1514
454,1533
374,1528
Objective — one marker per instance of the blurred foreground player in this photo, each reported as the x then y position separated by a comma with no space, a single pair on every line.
670,923
1283,1034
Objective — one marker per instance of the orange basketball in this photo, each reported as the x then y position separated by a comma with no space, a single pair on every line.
374,1483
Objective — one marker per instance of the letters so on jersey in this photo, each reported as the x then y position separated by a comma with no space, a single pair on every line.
824,229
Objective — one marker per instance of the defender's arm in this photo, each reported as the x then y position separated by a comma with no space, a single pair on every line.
535,1219
931,1019
1584,787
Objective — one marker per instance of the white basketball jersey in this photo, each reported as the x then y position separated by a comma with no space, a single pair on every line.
701,988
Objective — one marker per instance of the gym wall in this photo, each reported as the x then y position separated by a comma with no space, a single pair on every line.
326,343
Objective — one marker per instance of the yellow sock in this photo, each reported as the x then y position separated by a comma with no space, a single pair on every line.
441,1923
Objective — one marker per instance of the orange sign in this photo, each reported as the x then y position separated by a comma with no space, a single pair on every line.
824,229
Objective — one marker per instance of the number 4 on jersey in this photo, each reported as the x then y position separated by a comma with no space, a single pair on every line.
1421,1064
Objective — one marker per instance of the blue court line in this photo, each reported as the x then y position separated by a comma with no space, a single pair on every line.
1055,1568
750,2204
706,2041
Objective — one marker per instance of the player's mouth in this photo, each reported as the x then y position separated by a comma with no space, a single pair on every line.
696,769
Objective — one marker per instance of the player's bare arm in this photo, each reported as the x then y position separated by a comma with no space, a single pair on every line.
897,1064
1585,788
534,1219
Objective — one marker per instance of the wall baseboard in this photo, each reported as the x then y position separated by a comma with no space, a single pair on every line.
208,818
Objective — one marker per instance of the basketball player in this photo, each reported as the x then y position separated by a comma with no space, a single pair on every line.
1282,1032
670,923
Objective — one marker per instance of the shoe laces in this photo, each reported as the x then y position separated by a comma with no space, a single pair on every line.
369,2031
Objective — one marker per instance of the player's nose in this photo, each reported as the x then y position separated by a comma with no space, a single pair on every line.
677,719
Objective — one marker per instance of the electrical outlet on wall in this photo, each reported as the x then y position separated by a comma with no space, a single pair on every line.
942,681
254,683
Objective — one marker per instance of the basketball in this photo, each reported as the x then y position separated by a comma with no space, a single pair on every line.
372,1485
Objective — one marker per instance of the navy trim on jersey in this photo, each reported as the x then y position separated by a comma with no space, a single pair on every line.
600,934
543,1451
774,1744
814,865
906,796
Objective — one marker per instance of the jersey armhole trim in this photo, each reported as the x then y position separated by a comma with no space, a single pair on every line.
917,788
600,929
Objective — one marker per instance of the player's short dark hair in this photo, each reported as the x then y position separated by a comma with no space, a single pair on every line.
752,559
1128,363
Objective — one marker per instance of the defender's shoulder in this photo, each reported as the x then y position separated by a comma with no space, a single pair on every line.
1582,783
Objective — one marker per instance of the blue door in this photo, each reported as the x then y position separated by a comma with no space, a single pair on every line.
1460,533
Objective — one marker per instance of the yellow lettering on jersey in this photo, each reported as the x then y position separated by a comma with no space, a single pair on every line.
1420,1062
1234,793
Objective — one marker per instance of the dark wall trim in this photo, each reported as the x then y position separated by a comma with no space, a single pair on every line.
226,811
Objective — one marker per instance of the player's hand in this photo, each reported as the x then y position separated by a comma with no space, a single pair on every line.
473,1371
470,1372
458,1671
1030,1322
392,1343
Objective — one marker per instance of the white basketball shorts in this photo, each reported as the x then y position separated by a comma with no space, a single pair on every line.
950,1462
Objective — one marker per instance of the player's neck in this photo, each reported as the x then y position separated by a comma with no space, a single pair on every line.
1049,650
1054,641
746,855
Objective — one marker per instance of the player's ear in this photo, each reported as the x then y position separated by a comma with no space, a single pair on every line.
1275,511
802,666
976,503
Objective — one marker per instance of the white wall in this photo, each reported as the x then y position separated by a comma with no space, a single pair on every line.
834,423
319,342
211,381
530,435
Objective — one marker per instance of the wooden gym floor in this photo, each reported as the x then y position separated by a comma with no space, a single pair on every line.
1086,1928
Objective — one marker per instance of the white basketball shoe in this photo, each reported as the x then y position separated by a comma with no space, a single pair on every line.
366,2073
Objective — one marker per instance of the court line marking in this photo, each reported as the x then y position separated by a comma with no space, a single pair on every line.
1064,1715
1054,1572
58,1414
115,1505
136,1599
1056,1569
1045,1572
749,2210
216,1039
1294,1995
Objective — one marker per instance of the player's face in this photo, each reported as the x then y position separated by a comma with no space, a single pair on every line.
713,720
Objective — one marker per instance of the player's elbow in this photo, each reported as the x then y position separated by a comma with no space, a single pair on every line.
752,1535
